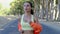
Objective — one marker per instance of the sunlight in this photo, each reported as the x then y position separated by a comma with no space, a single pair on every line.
5,3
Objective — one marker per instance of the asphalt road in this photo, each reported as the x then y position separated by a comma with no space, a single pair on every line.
11,28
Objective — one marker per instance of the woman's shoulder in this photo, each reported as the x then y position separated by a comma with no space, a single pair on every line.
34,16
19,17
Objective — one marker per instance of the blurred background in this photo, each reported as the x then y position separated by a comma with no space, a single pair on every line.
47,11
44,9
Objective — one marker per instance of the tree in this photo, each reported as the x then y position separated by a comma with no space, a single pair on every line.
0,5
17,6
4,11
36,7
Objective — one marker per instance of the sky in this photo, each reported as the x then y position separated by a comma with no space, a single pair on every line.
5,3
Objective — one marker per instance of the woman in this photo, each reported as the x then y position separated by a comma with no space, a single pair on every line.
27,18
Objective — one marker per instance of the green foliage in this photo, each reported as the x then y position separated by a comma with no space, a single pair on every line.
56,1
17,6
0,5
4,11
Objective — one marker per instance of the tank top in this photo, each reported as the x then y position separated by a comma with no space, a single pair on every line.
26,26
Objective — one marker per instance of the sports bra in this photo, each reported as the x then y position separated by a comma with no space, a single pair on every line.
26,26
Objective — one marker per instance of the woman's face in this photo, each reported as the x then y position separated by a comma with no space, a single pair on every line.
27,7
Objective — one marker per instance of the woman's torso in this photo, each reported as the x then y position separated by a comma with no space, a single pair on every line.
26,26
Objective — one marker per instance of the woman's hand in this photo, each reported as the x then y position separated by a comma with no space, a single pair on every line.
21,31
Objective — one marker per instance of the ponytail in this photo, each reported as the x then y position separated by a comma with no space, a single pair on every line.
32,12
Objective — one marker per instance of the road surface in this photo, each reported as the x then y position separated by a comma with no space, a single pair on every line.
11,28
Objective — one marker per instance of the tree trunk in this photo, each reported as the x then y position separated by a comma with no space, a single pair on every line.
51,15
36,8
47,10
42,11
54,10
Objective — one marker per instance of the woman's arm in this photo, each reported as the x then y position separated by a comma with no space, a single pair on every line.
36,19
36,25
19,18
19,24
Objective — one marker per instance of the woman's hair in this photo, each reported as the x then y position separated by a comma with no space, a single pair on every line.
31,6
